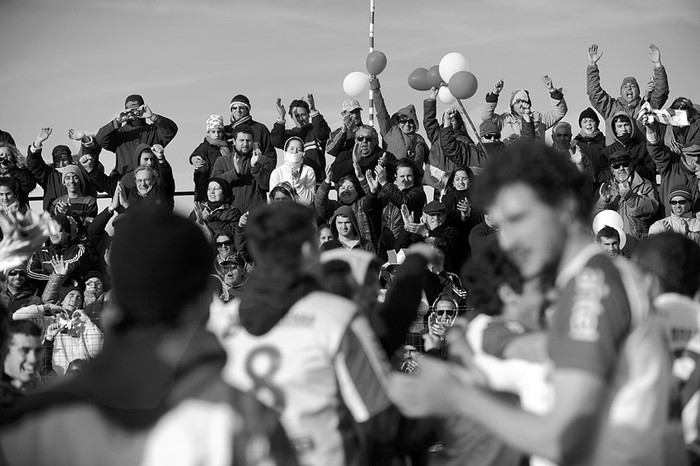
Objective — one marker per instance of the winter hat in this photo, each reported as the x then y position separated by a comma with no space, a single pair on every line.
60,152
588,113
214,122
72,169
488,127
350,105
133,101
67,289
619,156
682,191
63,221
520,95
160,262
225,186
629,80
240,99
434,207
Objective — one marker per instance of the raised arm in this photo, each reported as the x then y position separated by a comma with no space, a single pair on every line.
558,102
600,100
382,114
659,95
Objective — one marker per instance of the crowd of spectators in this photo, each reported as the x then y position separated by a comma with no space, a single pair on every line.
404,230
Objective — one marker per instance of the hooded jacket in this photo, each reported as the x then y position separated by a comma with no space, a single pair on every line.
510,123
609,106
635,146
314,136
673,171
396,141
305,183
346,211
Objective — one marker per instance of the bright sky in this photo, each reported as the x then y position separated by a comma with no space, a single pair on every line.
70,63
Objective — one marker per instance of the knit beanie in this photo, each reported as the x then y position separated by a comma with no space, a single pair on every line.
60,152
133,101
215,121
520,95
682,191
629,80
72,169
240,99
160,262
588,113
488,127
225,187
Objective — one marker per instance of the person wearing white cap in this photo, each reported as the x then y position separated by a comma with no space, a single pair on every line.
343,138
203,157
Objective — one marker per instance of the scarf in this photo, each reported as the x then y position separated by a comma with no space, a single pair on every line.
244,120
222,145
293,160
589,136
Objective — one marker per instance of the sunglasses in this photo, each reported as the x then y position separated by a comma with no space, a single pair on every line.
617,166
442,313
491,136
13,273
363,139
223,243
681,202
403,121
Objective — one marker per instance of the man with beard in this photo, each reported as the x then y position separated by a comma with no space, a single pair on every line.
630,100
310,127
246,170
128,129
18,291
627,138
602,412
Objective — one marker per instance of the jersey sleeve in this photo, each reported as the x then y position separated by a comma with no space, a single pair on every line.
592,319
361,371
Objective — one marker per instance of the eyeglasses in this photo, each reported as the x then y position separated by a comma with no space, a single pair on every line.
491,136
223,243
617,166
363,138
12,273
681,202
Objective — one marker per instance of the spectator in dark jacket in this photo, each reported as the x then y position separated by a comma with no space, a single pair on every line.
591,141
203,157
128,129
343,138
12,164
240,117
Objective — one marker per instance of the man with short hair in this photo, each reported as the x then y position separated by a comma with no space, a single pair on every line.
129,128
608,238
309,354
630,100
155,394
343,138
364,156
22,363
602,412
310,127
247,170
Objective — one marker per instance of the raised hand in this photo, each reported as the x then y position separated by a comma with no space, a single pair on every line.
310,100
434,93
59,265
122,195
497,87
280,108
158,151
380,172
43,135
243,220
76,135
548,84
145,111
329,174
593,55
87,162
406,214
655,55
576,154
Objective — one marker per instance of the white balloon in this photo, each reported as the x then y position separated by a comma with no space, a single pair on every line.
446,96
451,63
356,84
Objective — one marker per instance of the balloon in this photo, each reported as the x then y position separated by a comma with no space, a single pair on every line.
452,63
445,96
418,79
434,78
376,62
356,84
612,219
463,84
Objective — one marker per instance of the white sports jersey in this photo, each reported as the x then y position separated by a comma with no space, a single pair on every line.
320,366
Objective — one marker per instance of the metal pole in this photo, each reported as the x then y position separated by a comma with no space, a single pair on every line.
370,110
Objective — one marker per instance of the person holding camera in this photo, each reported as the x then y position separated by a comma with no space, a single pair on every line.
129,128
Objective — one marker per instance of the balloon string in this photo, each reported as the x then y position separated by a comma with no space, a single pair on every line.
471,123
370,106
